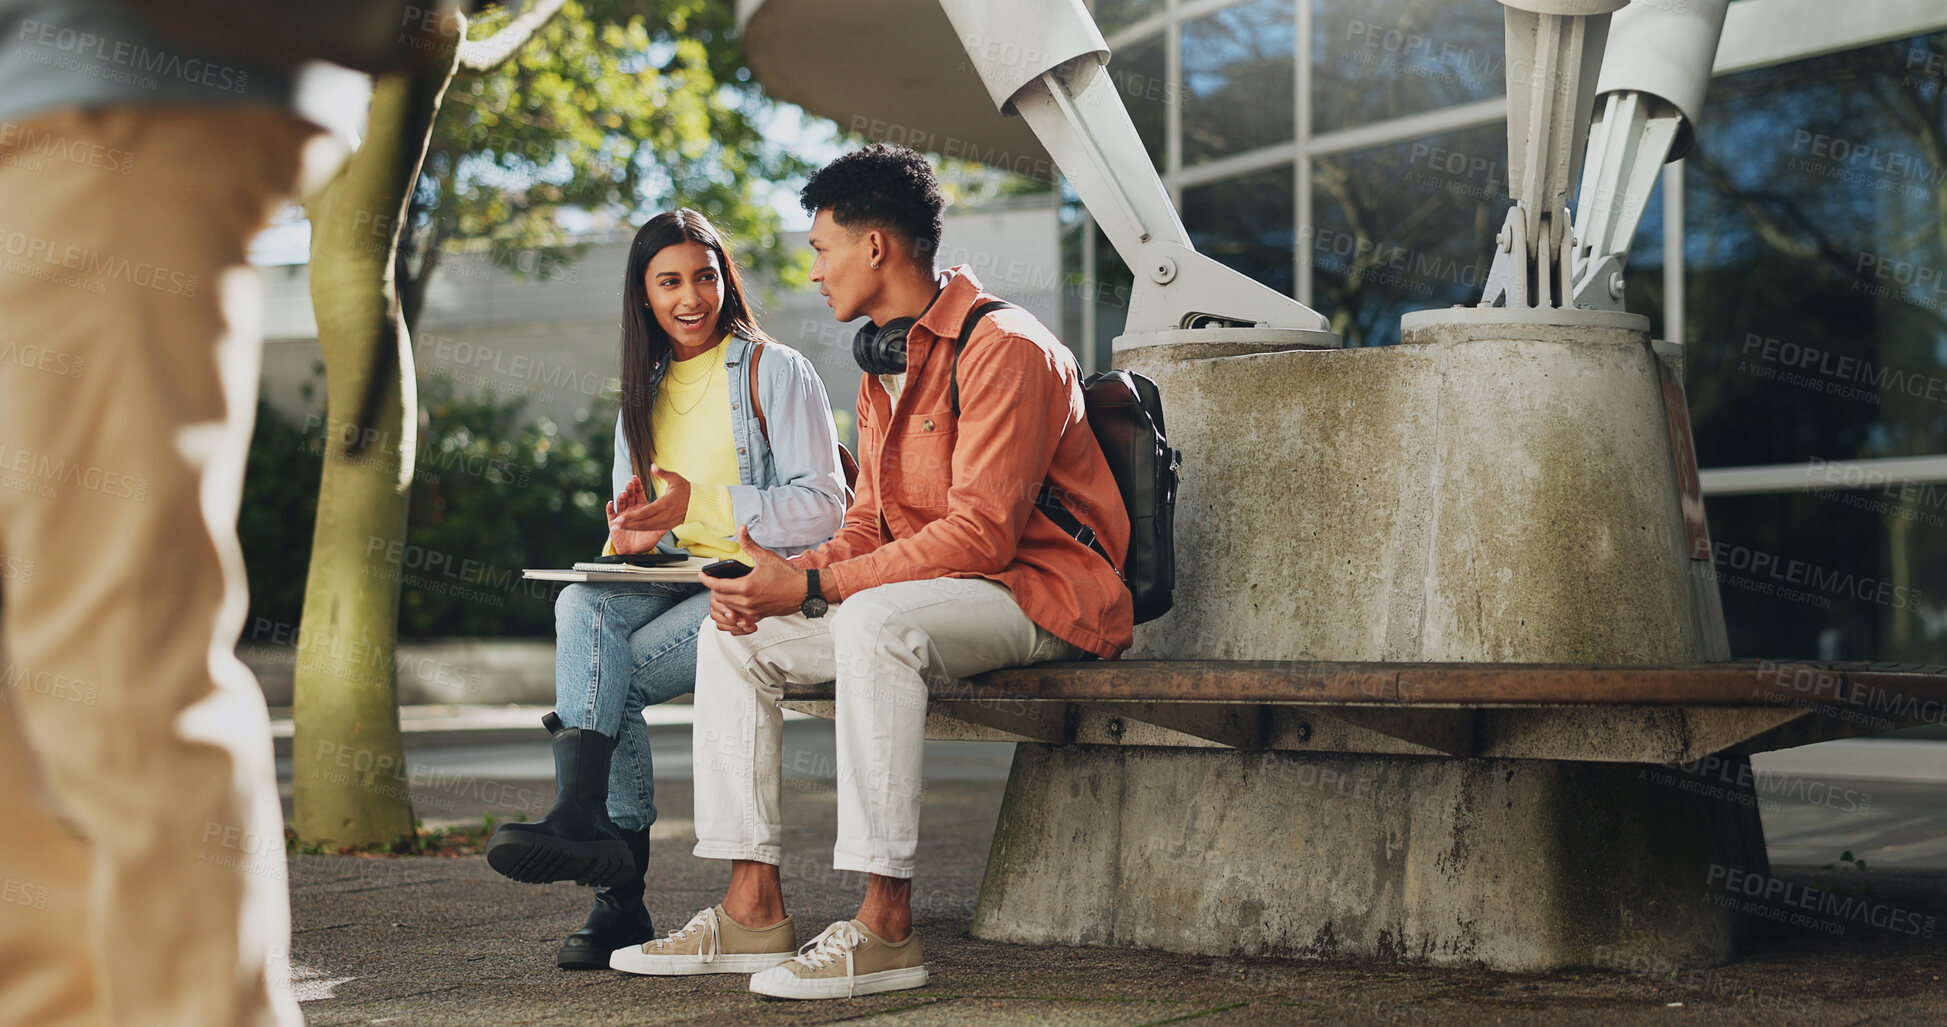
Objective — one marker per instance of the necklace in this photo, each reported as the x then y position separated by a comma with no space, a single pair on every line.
710,367
701,393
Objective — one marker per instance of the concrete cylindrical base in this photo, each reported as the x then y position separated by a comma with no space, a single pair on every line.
1500,487
1512,864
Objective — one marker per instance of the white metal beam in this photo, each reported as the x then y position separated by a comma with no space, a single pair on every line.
1824,474
1759,33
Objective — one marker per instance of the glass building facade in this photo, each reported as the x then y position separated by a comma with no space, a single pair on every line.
1352,154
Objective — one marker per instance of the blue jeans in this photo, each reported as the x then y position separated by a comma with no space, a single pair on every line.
620,647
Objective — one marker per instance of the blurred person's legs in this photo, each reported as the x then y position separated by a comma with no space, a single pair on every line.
159,847
43,939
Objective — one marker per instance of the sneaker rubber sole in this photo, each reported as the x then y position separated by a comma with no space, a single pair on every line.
534,858
782,983
635,961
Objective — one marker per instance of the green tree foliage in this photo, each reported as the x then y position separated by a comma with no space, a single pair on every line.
280,493
496,491
615,111
493,491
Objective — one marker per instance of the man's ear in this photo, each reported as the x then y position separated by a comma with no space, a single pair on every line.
878,246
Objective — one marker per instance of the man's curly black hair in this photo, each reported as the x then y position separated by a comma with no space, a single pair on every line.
886,187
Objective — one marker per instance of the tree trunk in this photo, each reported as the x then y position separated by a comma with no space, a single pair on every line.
414,280
347,761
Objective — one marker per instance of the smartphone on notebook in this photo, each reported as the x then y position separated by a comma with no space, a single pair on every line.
649,559
726,569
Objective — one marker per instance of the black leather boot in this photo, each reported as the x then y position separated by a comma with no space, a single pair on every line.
618,919
575,841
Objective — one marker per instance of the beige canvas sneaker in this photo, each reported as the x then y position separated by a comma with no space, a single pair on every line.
846,960
711,943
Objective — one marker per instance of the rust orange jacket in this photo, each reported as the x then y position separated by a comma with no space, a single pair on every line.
944,498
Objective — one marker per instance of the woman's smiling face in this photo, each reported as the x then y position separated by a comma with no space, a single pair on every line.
685,287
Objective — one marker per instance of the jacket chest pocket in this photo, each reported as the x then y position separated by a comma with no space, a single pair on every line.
919,455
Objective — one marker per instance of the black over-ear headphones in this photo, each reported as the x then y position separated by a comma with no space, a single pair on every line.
881,349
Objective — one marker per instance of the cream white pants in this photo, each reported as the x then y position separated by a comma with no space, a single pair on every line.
142,855
883,647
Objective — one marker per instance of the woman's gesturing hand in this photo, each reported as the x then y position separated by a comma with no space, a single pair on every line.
636,523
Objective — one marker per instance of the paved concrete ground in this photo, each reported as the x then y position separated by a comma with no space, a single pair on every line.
447,941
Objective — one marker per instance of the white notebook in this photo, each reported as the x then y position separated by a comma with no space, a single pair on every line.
684,571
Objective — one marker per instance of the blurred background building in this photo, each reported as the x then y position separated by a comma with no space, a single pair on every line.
492,324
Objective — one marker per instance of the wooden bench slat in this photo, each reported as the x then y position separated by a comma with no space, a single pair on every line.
1910,689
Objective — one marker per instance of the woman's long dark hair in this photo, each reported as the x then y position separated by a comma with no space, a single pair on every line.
644,343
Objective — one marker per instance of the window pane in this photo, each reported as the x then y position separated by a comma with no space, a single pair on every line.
1833,574
1143,81
1409,226
1073,290
1248,223
1379,59
1110,294
1816,270
1111,16
1643,277
1105,287
1238,68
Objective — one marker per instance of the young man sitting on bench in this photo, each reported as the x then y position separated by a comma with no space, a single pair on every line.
944,569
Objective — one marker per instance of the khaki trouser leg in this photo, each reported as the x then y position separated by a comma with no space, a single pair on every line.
122,442
43,898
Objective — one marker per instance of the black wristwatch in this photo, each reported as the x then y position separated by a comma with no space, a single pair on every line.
814,597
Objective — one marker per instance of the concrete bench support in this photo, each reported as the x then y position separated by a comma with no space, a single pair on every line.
1514,864
1517,816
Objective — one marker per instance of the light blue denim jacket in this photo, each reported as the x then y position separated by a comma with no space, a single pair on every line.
792,494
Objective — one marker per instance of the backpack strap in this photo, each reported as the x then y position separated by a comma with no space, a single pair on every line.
847,463
960,345
1044,497
757,405
1072,526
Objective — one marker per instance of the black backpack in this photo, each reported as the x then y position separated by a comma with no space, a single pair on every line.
1125,412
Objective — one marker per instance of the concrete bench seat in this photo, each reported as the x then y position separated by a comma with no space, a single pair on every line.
1624,714
1517,816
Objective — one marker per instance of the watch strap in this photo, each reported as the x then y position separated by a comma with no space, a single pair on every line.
812,590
